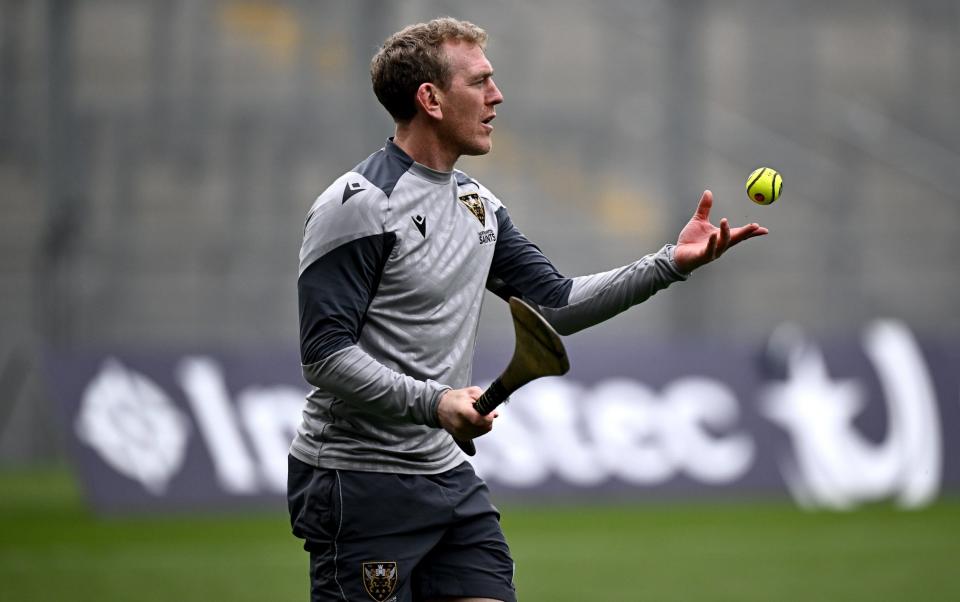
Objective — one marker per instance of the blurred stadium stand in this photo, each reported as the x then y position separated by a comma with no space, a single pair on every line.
157,159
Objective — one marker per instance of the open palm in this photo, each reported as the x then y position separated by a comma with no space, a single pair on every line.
700,242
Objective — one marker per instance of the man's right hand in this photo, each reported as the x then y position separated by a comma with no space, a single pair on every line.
459,418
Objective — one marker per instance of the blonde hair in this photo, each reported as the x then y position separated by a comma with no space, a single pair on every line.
413,56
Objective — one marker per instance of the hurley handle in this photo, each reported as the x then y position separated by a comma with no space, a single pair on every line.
495,394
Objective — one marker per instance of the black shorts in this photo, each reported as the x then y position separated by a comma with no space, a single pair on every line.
399,538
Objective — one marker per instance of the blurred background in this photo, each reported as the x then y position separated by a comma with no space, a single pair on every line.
157,160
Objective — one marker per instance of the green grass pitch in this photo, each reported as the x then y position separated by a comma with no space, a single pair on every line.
51,548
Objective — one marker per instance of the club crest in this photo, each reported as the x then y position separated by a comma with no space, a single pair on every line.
475,205
380,579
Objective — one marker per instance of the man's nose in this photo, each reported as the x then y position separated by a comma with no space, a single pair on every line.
496,97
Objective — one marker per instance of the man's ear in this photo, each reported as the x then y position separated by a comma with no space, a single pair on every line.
430,98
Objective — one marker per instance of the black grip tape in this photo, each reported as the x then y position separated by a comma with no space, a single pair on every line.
495,394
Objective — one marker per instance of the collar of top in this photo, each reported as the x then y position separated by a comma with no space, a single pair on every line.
419,169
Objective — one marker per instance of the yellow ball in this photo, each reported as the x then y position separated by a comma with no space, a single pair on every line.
764,185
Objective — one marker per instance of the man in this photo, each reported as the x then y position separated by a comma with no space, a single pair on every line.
395,258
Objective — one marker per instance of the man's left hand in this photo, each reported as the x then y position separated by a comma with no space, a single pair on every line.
700,242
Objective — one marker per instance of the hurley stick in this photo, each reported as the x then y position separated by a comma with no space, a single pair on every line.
538,352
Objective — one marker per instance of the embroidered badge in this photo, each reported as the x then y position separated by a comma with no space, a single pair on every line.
475,205
380,579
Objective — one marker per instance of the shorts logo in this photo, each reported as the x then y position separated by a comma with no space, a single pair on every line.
475,205
380,579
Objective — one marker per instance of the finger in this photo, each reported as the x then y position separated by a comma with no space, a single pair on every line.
711,247
744,232
474,392
724,240
481,420
703,208
484,426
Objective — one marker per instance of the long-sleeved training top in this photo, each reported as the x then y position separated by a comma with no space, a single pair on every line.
394,263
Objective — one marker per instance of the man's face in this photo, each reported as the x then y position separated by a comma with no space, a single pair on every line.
468,104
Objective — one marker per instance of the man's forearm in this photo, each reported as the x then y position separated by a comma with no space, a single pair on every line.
601,296
356,377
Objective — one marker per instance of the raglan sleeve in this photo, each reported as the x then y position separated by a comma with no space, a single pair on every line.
521,269
345,248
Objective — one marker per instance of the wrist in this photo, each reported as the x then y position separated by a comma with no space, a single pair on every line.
432,414
680,265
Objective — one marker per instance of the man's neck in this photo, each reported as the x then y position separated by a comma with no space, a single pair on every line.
423,146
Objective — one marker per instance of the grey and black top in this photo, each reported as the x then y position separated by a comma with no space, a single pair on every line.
394,262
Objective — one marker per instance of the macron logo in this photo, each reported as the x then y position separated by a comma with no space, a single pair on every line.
421,223
351,189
